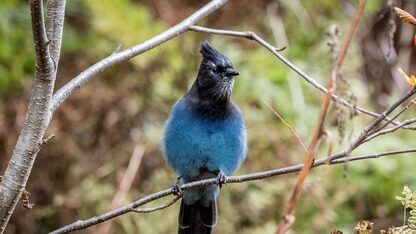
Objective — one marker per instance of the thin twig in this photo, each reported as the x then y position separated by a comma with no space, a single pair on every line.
253,36
329,142
351,32
153,209
287,216
47,139
394,117
82,224
115,58
288,126
366,131
390,130
124,185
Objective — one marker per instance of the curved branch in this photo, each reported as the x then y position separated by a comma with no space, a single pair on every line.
161,207
62,94
253,36
132,207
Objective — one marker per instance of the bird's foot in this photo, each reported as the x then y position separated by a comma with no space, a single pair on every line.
221,179
176,187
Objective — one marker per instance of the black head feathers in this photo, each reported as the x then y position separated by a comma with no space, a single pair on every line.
210,53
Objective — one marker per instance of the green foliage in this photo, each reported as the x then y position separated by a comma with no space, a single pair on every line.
100,125
16,54
409,202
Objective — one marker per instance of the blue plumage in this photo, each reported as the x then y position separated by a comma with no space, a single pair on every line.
205,137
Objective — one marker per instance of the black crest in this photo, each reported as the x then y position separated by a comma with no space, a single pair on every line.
210,53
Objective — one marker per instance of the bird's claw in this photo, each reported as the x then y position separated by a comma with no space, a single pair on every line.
221,179
176,187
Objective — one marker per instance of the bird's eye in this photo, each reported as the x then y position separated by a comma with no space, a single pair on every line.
214,69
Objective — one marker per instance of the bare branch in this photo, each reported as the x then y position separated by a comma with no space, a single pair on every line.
351,32
366,131
43,63
372,156
253,36
62,94
153,209
36,121
55,26
287,217
394,117
124,184
390,130
47,139
82,224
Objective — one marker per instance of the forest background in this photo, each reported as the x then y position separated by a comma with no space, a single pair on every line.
121,113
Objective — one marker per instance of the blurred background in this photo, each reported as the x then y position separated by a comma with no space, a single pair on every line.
116,120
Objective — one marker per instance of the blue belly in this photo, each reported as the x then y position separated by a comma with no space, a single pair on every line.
193,144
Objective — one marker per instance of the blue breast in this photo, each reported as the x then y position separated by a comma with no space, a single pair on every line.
192,143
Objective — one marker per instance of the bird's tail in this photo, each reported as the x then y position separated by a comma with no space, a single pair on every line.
197,219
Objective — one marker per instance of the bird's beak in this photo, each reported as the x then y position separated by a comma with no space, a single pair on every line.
231,72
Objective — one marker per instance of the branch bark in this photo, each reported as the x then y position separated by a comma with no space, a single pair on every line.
62,94
37,116
132,207
54,27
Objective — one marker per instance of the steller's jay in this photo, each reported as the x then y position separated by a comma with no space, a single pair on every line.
205,137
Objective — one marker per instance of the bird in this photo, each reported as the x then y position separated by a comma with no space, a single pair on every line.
205,137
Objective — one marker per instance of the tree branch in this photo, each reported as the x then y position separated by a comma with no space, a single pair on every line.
132,207
287,215
36,121
62,94
161,207
55,26
253,36
43,63
390,130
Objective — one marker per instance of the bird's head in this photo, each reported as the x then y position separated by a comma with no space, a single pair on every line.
216,74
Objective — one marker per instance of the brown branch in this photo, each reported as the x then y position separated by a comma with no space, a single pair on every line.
124,185
287,217
253,36
351,32
82,224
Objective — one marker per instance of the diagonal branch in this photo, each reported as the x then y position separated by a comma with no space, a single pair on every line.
253,36
62,94
132,207
383,116
389,130
287,217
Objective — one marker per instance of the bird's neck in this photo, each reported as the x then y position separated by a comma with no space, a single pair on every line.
207,105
